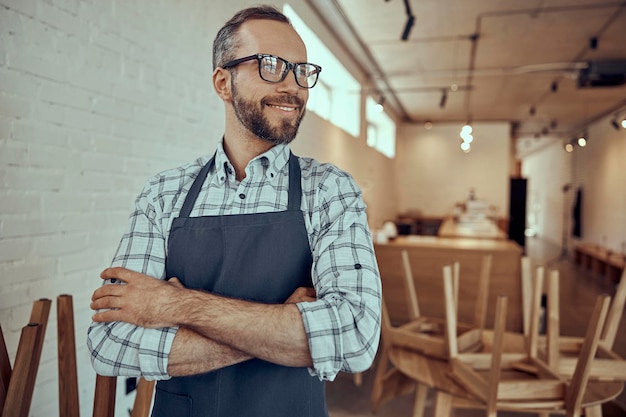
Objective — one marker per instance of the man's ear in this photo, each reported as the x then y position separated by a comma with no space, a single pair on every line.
221,83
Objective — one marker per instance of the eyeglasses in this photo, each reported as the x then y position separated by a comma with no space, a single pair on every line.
274,69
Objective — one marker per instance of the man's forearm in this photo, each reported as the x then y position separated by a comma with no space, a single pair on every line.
193,354
271,332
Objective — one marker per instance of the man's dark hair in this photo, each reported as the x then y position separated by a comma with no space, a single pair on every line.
226,41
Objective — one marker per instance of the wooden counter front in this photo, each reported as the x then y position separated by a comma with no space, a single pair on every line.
428,256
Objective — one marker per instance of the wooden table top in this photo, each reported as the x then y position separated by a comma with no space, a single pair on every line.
483,230
434,373
435,242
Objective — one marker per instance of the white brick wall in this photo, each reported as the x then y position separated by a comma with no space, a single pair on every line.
95,96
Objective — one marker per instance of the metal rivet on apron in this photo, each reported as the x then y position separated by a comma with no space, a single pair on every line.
358,266
242,196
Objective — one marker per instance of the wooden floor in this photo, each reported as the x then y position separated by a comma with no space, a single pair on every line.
578,291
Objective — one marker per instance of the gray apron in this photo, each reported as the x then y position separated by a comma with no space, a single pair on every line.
262,258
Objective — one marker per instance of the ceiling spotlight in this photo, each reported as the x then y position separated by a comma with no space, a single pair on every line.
454,87
623,123
467,129
465,147
569,147
554,86
615,125
428,125
444,99
582,142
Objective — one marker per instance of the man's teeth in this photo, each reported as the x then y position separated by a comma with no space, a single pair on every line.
283,108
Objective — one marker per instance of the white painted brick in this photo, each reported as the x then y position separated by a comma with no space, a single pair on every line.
62,20
26,7
14,106
109,144
49,157
18,83
90,80
33,179
66,94
12,153
86,121
36,65
66,202
76,262
20,202
113,107
13,295
15,249
49,113
6,128
35,269
37,133
59,244
20,226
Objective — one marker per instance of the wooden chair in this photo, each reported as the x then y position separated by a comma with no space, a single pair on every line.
499,384
563,356
18,384
425,335
104,399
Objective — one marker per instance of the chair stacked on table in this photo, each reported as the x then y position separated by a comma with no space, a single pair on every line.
500,369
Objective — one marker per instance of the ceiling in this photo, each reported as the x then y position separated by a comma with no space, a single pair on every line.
517,61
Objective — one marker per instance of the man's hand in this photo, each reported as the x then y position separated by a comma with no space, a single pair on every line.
302,294
143,300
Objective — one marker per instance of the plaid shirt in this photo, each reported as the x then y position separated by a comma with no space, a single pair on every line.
342,325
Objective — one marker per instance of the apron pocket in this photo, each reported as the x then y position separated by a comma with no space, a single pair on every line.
167,404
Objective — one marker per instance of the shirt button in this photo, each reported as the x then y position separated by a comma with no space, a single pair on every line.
242,196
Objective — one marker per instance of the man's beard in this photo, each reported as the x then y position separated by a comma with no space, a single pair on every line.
251,115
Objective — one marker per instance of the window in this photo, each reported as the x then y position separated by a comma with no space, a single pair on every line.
336,96
381,129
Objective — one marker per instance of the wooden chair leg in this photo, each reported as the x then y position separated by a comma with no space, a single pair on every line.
419,404
22,385
594,411
443,404
5,370
143,398
104,399
68,377
19,383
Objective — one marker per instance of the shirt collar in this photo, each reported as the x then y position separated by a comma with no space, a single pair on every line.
272,162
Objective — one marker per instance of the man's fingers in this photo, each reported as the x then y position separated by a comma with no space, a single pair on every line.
106,291
105,302
176,282
106,316
118,272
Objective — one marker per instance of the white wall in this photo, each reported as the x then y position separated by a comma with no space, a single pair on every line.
95,96
599,169
548,171
433,173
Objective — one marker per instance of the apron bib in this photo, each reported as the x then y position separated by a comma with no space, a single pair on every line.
262,258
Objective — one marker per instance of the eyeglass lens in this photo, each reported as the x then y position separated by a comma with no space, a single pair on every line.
274,69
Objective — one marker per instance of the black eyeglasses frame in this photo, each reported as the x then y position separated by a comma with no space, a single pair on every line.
291,67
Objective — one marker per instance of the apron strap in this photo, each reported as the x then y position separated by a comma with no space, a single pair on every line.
192,195
295,186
